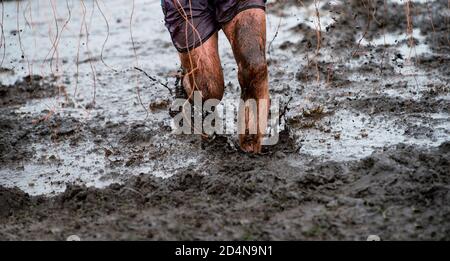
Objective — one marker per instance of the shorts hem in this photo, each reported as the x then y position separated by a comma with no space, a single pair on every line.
198,44
263,7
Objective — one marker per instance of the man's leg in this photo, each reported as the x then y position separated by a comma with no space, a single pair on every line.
247,35
203,70
193,29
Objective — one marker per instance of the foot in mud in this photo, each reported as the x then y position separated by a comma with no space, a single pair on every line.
247,35
253,121
179,92
250,143
250,135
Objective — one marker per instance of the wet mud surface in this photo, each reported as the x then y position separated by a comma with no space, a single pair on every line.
399,193
364,150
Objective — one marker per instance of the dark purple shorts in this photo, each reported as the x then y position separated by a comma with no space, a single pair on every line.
205,17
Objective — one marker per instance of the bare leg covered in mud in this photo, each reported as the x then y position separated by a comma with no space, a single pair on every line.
247,35
203,70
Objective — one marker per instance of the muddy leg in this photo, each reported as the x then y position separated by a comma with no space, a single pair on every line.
247,35
203,70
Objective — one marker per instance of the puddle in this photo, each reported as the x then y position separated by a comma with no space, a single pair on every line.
400,41
304,13
54,164
353,135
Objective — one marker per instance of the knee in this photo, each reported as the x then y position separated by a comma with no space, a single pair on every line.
254,70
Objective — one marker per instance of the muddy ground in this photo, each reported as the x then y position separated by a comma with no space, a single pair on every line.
400,193
365,145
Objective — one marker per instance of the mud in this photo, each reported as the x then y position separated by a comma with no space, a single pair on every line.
364,147
398,193
30,87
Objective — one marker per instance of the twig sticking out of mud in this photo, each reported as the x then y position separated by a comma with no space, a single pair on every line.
285,108
409,26
54,41
409,30
107,36
20,38
154,79
430,14
91,16
93,71
24,14
29,23
369,20
307,55
2,37
275,36
69,17
318,28
83,20
54,49
448,24
384,36
136,59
